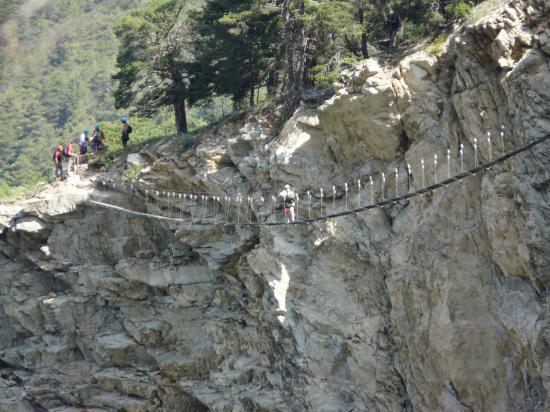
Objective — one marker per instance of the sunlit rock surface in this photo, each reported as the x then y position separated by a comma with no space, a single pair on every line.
439,303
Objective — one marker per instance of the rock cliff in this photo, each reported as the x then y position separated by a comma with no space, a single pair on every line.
438,303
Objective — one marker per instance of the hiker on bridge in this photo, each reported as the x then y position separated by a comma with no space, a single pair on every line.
289,200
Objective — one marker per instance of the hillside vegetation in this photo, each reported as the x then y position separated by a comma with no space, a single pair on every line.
56,79
68,64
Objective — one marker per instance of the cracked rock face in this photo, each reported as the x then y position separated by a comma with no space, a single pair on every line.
439,303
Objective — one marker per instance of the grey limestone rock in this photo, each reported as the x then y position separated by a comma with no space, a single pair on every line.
437,303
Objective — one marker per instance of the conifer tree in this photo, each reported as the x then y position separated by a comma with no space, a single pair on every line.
7,8
238,49
153,59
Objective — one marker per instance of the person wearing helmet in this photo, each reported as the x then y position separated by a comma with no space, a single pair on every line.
97,139
58,161
84,135
126,130
83,144
289,197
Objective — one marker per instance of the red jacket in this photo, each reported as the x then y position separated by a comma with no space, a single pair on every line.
58,156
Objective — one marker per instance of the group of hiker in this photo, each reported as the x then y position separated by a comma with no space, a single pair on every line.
95,142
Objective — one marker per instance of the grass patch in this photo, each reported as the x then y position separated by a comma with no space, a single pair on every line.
484,9
132,173
414,31
437,46
144,131
9,193
460,10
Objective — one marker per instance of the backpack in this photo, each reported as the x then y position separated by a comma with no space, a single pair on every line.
54,156
395,22
126,133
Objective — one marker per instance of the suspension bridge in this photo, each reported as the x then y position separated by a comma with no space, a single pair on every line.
203,209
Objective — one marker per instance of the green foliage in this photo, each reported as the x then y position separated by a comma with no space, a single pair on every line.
437,46
413,11
340,34
132,173
433,14
8,8
326,75
434,18
10,192
238,48
484,8
196,59
460,10
152,59
55,81
415,31
143,131
323,76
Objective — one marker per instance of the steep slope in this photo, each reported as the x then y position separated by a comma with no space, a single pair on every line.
439,303
59,56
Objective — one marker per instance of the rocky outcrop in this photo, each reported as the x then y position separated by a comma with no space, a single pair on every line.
438,303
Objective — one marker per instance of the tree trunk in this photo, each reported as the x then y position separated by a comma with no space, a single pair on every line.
251,96
293,26
254,77
364,47
311,61
301,41
181,115
272,82
288,43
300,67
351,46
179,100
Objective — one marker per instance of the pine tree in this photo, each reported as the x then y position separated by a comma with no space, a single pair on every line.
153,59
239,49
339,32
8,8
295,45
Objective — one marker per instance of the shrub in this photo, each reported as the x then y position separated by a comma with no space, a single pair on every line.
326,75
8,192
437,46
132,173
415,31
435,18
460,10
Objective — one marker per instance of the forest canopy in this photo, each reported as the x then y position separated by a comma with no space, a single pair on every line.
67,64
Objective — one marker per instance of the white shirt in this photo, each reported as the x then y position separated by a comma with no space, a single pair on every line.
288,194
